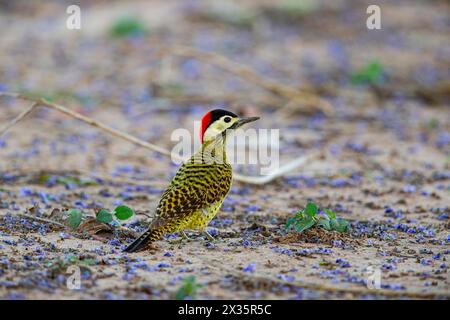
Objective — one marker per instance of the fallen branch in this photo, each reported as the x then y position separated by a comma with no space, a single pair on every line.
79,116
30,216
277,173
22,115
259,180
56,223
298,95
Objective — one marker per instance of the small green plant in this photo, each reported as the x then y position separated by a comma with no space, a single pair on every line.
432,124
75,217
121,213
127,26
57,266
307,218
370,73
188,288
296,8
70,259
104,216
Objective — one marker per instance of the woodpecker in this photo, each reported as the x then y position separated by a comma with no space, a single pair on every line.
200,185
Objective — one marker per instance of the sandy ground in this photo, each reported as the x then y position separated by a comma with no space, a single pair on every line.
384,165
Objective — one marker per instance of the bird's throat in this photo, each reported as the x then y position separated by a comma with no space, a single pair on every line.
215,150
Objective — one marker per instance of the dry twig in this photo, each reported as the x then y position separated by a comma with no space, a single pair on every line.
259,180
22,115
33,217
79,116
300,96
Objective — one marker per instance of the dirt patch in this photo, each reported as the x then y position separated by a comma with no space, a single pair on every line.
318,235
384,148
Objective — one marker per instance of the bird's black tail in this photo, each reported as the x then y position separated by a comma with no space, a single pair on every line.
146,238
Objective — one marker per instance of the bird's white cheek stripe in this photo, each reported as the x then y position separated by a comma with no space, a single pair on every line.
211,133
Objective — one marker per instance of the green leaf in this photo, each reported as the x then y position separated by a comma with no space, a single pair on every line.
74,219
330,213
299,214
340,225
188,288
311,209
89,262
304,224
370,73
324,223
123,212
334,224
289,222
307,218
127,26
343,225
104,216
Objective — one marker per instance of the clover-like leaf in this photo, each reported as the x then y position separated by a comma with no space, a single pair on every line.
126,26
307,218
324,223
370,73
299,214
74,219
311,209
289,222
340,225
188,288
104,216
123,212
304,224
330,213
334,224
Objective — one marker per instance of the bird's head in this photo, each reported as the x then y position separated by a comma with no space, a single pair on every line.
218,121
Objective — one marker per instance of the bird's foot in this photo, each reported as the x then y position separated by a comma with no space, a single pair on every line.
183,237
209,237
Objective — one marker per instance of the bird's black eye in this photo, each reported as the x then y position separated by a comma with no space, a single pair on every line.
227,119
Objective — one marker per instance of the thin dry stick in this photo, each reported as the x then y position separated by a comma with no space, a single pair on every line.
277,173
301,96
90,121
56,223
247,179
22,115
42,219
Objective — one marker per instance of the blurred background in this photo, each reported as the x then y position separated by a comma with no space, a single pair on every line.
312,68
374,104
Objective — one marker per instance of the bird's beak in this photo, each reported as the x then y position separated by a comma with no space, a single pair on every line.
243,120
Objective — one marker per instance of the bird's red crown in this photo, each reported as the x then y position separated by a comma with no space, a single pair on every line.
212,116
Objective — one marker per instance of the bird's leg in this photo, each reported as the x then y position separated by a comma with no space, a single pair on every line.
210,237
184,236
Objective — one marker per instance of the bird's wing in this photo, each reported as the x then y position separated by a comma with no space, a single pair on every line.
177,203
195,186
180,199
